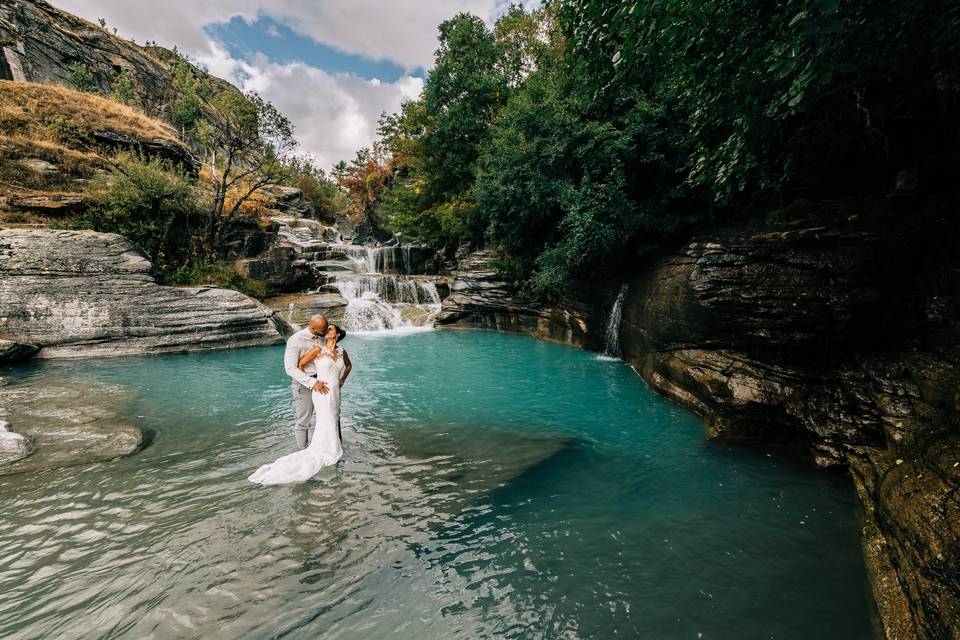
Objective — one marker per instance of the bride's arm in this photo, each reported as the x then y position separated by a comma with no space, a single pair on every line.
308,356
347,366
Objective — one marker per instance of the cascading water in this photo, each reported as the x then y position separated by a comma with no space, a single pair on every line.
612,337
378,300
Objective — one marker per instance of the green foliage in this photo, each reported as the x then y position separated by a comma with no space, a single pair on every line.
122,89
317,188
435,141
82,78
569,186
65,130
577,137
152,203
141,199
213,272
783,95
462,94
186,107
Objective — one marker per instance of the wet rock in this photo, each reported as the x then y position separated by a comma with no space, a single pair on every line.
279,268
297,309
66,424
481,298
13,446
83,293
13,351
817,335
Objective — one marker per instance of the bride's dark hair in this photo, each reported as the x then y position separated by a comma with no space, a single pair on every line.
341,333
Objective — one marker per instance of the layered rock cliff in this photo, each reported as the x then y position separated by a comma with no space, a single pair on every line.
83,293
837,333
481,298
39,43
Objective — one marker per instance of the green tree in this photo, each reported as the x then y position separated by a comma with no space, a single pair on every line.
82,78
435,141
122,89
248,147
462,94
784,95
186,106
141,199
569,186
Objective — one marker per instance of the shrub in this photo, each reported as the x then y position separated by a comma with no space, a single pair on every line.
82,78
210,271
65,130
122,89
141,199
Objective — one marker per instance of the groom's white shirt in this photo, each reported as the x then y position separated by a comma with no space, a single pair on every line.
297,345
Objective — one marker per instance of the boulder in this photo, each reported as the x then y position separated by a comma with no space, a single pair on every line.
13,351
83,293
161,148
480,298
13,446
297,309
65,423
280,269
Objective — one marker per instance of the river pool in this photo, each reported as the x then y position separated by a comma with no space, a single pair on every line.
493,486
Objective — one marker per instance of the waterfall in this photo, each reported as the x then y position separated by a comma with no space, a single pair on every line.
612,336
381,292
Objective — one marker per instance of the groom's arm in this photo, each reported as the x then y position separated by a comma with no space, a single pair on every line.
290,365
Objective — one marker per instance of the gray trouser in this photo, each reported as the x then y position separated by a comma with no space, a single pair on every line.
303,410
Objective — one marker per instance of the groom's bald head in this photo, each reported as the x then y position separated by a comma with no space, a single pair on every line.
318,324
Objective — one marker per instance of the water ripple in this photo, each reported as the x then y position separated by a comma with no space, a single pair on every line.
492,486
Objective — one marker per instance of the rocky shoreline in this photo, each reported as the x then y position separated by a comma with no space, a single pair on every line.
69,294
75,294
811,334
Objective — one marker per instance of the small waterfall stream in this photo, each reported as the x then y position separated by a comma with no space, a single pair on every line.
612,335
381,288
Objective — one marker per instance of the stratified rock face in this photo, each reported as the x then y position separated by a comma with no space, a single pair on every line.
39,43
835,337
481,299
83,293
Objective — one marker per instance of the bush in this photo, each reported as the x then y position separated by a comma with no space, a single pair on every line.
209,271
122,89
82,78
66,131
142,199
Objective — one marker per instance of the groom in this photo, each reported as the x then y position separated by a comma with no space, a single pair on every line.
305,381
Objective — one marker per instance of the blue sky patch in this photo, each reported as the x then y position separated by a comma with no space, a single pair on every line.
281,45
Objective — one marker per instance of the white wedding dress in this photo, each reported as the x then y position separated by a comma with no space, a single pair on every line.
324,449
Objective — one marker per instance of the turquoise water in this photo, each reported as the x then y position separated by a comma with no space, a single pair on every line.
493,486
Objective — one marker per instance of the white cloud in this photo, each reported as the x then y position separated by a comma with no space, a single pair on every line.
334,114
403,31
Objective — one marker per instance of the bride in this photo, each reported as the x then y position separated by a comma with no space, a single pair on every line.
333,366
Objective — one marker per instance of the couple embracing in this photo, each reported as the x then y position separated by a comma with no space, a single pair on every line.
319,367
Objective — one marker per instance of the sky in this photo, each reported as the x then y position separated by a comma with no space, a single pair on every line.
332,66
